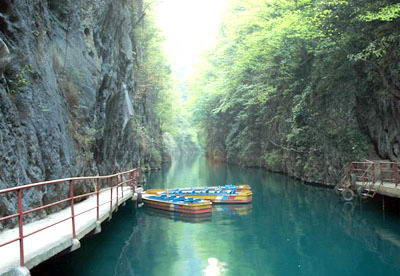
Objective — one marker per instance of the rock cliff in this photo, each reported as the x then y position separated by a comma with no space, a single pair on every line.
69,103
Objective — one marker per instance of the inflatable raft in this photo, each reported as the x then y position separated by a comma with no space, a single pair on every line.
177,204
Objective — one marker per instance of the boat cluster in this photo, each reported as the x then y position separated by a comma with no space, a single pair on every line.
196,200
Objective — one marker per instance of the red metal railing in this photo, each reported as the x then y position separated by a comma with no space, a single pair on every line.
374,171
110,182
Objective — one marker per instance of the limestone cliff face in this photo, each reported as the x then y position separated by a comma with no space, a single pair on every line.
68,100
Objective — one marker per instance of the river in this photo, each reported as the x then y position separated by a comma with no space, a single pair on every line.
289,229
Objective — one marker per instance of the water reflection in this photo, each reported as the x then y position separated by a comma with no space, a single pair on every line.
233,209
214,267
191,218
289,229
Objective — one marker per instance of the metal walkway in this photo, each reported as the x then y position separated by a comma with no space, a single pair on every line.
29,244
370,178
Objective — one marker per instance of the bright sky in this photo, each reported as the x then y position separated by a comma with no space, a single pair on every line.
190,27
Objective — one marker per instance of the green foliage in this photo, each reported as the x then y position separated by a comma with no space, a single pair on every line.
19,81
153,72
273,160
288,76
387,13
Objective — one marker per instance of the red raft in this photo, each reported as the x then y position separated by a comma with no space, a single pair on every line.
178,204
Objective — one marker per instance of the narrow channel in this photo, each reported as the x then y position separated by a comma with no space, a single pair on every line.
289,229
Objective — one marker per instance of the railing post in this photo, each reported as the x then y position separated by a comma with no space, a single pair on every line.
21,229
121,179
111,197
71,196
97,200
130,184
21,270
122,182
373,173
98,223
396,176
134,178
75,242
116,180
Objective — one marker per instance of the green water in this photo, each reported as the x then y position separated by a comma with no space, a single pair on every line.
289,229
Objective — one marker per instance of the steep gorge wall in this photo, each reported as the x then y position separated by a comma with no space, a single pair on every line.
314,137
305,99
69,104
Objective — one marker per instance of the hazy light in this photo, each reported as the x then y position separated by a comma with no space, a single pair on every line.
190,27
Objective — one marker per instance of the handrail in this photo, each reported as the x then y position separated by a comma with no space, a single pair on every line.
118,180
27,186
374,162
381,171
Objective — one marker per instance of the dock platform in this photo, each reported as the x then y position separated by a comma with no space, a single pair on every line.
385,188
369,178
